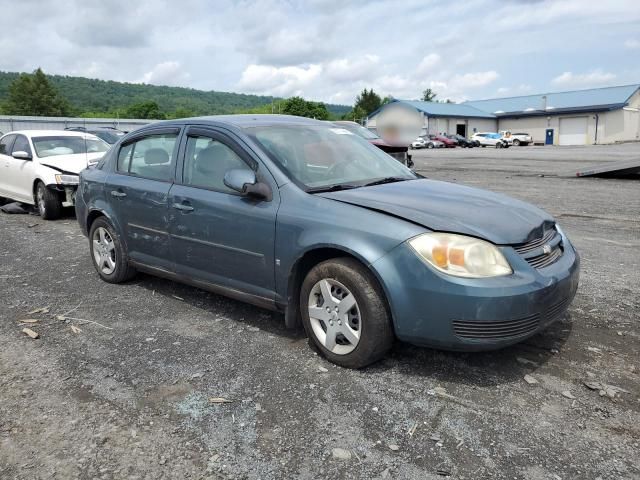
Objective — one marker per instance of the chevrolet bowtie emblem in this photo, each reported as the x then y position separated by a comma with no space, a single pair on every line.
546,249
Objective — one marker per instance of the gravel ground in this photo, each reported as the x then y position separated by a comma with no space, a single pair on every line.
129,395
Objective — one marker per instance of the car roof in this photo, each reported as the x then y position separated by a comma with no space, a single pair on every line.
243,121
52,133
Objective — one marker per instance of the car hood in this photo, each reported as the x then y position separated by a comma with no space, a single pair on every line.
448,207
71,163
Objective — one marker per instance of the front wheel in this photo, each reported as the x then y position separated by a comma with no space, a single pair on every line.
499,145
516,142
108,253
345,314
430,145
48,202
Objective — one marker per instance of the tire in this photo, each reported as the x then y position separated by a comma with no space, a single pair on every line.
483,146
48,202
117,270
516,143
499,145
430,145
369,318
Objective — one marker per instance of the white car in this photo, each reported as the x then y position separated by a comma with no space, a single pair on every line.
41,167
490,139
422,142
517,139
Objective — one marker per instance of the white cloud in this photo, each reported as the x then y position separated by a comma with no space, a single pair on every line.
474,80
343,69
428,63
280,81
632,43
591,79
166,73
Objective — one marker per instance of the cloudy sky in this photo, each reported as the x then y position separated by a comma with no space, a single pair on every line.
329,50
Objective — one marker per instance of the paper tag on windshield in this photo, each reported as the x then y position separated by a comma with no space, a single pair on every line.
341,131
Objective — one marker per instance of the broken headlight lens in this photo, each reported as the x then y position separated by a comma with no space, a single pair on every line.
460,255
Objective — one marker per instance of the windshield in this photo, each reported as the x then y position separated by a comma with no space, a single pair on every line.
320,157
359,130
68,145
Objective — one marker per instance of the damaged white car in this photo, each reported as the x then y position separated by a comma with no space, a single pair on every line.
41,167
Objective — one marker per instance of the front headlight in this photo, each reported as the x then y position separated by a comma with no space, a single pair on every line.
65,179
460,255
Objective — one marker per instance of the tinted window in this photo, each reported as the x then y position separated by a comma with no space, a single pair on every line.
124,157
149,157
21,145
5,144
206,162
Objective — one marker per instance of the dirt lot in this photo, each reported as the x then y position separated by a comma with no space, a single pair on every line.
128,396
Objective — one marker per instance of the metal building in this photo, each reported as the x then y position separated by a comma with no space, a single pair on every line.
581,117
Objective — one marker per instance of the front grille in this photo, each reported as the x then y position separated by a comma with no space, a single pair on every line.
496,330
534,251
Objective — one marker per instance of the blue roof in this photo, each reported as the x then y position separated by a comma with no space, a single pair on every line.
436,109
578,100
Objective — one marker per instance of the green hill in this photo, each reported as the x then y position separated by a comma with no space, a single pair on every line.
91,97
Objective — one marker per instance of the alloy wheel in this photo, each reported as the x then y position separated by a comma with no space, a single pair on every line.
42,209
104,251
335,316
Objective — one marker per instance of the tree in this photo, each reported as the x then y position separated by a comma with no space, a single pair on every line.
144,110
302,108
367,101
182,112
32,94
429,95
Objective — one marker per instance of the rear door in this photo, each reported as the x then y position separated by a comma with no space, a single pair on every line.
138,191
6,185
218,235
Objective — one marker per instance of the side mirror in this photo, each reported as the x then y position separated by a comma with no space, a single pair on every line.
245,182
21,155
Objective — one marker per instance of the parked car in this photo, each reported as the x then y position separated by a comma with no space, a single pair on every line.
448,143
108,134
462,141
41,166
423,142
419,143
490,139
360,252
397,150
517,139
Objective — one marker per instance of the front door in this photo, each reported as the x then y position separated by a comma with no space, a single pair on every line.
7,188
138,192
549,138
218,235
22,171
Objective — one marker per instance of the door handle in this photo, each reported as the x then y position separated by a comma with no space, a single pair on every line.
183,207
118,194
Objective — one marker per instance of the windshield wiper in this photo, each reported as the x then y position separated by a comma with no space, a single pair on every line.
386,180
332,188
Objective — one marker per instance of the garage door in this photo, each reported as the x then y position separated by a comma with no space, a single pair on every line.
573,131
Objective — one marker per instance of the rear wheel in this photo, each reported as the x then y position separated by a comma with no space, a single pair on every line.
345,314
48,202
108,253
516,142
499,145
430,145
